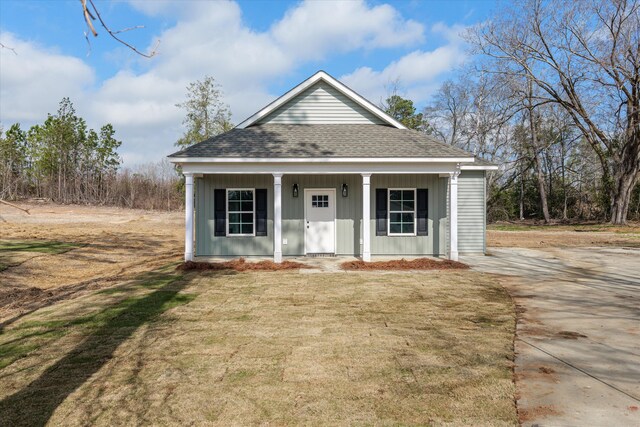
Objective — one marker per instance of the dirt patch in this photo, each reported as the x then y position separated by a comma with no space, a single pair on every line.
537,413
403,264
549,237
571,335
241,264
62,251
546,370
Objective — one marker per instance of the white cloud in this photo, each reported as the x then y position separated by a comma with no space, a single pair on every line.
417,72
34,79
314,28
209,38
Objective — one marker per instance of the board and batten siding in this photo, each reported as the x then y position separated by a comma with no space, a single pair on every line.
471,215
348,212
431,244
207,243
321,104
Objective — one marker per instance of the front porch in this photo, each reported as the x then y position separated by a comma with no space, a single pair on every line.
359,223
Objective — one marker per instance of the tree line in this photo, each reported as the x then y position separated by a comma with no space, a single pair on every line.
552,94
65,161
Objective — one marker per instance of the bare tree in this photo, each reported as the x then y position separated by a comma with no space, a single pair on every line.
584,56
535,150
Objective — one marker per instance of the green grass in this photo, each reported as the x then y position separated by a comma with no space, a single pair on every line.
128,312
40,246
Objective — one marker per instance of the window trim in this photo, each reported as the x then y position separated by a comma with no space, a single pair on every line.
253,191
415,212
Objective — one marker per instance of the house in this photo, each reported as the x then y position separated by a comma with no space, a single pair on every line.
323,171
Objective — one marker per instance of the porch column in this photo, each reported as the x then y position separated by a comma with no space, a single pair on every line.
277,217
366,217
453,215
188,217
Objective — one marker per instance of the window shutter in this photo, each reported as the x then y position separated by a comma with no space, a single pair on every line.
381,211
261,212
220,211
422,211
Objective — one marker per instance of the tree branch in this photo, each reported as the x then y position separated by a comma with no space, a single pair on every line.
89,17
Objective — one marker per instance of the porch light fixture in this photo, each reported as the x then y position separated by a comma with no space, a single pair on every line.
295,190
345,190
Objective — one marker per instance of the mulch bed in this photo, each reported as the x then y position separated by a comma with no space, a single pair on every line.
403,264
240,265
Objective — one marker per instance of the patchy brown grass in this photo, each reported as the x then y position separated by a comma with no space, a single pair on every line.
241,264
258,348
403,264
64,251
532,235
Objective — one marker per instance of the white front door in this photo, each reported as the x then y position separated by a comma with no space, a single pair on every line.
320,221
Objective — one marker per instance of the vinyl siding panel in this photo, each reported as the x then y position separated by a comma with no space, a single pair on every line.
471,212
207,244
434,242
321,104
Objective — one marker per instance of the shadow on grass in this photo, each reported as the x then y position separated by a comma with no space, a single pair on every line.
106,330
37,246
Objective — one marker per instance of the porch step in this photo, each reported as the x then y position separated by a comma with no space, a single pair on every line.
321,255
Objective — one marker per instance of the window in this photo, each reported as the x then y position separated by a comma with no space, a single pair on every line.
402,212
320,201
240,208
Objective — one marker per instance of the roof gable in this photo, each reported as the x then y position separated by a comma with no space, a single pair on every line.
321,103
321,99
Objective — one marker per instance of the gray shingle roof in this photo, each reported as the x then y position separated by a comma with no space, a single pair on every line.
322,140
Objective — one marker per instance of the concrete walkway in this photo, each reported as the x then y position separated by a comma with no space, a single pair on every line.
578,340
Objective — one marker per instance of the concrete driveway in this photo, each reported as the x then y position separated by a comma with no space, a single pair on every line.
578,339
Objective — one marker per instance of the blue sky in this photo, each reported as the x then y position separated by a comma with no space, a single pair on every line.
255,49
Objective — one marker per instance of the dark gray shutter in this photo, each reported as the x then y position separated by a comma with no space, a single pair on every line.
381,211
422,211
220,211
261,212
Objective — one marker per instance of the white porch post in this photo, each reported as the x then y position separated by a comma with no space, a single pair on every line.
366,217
453,215
277,217
188,217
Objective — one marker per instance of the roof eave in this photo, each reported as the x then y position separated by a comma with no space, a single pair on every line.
241,160
479,167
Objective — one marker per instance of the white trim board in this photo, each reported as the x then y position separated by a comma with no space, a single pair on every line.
320,160
479,167
319,168
337,85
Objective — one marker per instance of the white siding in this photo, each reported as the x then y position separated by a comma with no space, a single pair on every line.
321,104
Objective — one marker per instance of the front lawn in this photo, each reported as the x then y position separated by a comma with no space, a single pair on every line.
15,252
282,348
